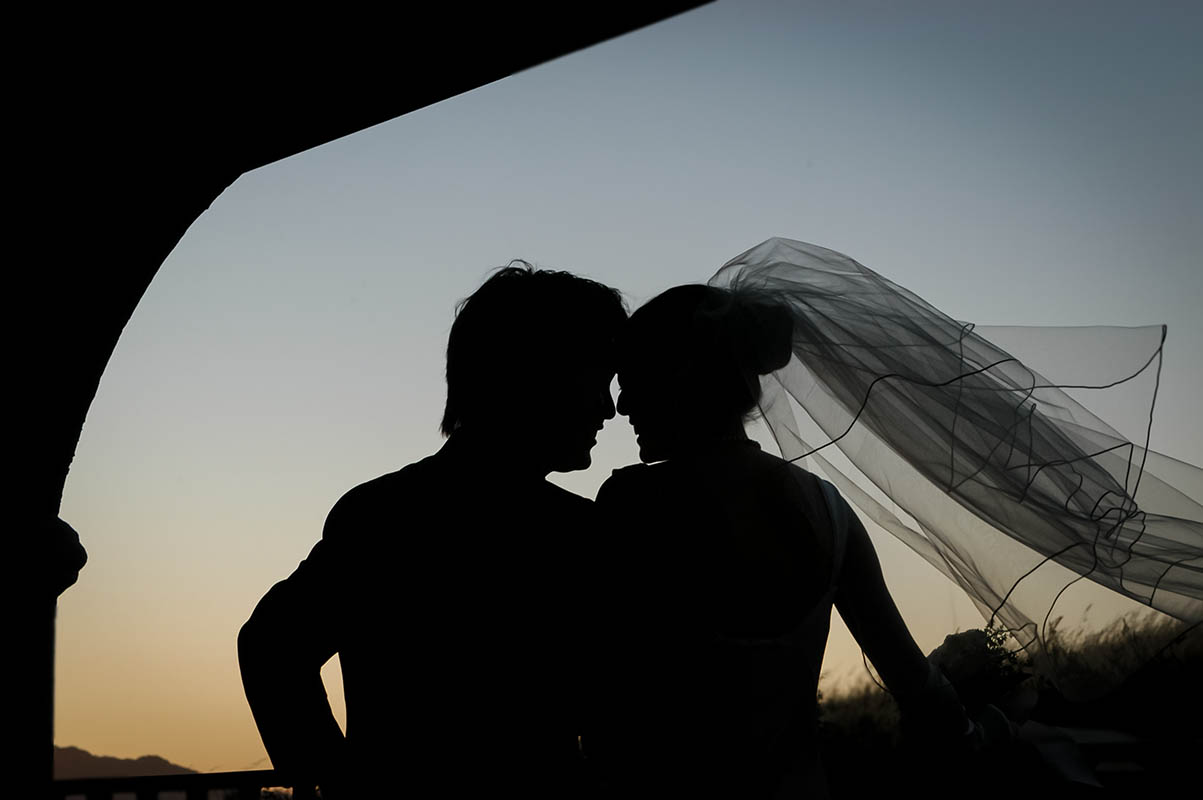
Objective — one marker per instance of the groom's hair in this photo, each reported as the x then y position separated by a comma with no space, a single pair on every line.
521,328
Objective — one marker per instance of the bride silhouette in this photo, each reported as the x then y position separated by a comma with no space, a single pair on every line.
733,559
730,560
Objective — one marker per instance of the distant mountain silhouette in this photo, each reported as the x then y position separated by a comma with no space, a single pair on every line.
72,762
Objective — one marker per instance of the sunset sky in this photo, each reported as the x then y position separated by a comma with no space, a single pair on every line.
1011,162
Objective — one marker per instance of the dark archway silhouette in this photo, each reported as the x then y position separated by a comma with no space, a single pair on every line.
127,129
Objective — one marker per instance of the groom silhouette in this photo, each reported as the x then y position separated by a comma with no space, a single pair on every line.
455,590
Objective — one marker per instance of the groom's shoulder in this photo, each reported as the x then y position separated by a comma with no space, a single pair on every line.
368,501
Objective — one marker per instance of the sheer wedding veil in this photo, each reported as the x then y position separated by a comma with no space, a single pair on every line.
966,444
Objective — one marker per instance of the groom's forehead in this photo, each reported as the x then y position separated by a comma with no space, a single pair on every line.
590,354
561,351
591,337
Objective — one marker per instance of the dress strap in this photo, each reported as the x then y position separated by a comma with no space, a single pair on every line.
822,497
837,511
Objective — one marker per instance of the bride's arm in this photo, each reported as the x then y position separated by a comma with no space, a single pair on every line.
868,609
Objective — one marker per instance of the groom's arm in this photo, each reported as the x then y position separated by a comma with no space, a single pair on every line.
292,633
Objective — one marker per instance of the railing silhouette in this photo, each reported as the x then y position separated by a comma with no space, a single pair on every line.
192,786
1120,761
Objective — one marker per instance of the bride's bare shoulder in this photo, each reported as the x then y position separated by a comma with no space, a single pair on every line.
770,463
630,475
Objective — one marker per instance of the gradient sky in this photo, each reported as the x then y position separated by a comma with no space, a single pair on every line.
1012,163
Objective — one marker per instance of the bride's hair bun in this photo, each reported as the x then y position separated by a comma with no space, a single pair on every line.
715,340
769,338
757,333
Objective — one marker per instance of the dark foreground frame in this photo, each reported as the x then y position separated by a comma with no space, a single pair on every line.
125,127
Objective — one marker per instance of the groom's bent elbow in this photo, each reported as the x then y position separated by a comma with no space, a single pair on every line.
253,649
262,638
254,633
249,644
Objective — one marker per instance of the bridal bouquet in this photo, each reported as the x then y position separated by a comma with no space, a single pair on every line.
984,671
